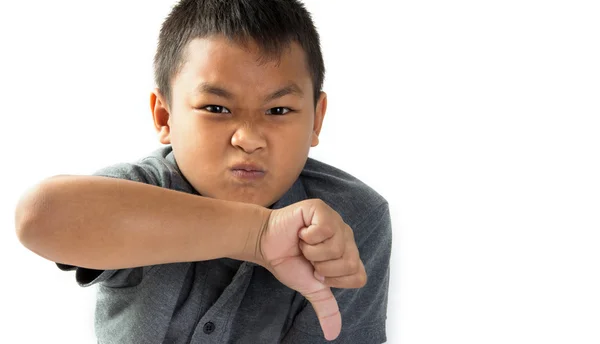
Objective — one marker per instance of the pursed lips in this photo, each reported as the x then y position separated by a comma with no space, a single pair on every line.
250,167
248,171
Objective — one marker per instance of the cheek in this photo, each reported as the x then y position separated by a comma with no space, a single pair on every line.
292,144
298,131
195,132
201,144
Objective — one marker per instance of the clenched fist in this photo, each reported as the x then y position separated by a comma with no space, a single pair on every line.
309,248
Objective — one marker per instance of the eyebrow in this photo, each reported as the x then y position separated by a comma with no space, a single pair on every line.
205,87
291,88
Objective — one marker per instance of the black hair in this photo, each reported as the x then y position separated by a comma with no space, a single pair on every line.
271,24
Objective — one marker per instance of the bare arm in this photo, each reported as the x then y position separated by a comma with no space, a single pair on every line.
107,223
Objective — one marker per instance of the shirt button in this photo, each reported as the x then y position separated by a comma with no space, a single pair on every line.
209,327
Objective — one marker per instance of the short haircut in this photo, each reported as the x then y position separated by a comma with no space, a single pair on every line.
271,24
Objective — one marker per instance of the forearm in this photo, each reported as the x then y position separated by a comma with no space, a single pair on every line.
108,223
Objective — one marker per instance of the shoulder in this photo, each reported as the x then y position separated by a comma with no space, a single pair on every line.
158,168
354,200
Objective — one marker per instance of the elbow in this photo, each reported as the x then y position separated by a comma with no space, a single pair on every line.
32,216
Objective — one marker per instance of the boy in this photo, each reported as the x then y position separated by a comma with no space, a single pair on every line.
229,233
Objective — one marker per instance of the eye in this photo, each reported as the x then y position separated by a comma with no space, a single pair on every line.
216,109
278,111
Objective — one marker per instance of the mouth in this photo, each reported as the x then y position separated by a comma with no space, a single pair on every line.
248,171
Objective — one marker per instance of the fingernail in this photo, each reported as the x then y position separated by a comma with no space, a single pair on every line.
319,277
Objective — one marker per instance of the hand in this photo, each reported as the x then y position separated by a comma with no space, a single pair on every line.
308,247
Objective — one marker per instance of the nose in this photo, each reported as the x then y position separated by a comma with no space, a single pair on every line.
248,138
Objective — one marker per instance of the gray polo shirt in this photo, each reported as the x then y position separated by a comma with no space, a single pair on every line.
229,301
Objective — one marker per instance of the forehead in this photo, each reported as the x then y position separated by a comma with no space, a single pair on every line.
218,60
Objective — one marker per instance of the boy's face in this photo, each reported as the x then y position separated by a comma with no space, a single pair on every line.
240,127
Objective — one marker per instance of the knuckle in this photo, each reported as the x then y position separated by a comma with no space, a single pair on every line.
349,231
362,280
338,251
323,206
328,231
318,202
353,265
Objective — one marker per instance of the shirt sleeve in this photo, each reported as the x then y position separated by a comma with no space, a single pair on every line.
364,310
151,171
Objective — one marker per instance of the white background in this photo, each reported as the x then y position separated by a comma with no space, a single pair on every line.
479,121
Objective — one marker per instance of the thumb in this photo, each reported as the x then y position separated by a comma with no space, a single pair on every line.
327,311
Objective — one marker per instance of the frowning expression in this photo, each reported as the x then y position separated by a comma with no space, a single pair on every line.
240,126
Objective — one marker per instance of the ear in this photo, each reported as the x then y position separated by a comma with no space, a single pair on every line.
320,110
160,116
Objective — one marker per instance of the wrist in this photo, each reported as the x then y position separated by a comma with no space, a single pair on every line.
255,222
